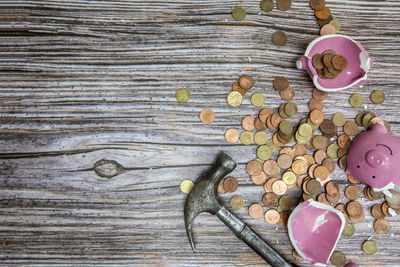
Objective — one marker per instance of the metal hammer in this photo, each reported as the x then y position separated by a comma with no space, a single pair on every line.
204,198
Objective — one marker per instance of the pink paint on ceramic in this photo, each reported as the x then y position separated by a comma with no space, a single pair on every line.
358,62
374,158
314,229
350,264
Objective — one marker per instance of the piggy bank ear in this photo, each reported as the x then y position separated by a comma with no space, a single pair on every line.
379,128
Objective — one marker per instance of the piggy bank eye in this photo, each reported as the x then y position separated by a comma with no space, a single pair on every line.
358,166
373,176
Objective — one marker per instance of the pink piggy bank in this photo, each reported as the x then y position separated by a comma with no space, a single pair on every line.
374,158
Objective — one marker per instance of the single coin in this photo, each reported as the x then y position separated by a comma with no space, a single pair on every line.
305,129
299,149
321,173
319,141
377,97
237,202
253,167
287,150
264,152
352,192
352,179
329,164
231,136
385,209
256,211
230,184
267,5
260,125
271,216
339,119
246,138
332,150
350,128
354,209
248,123
324,13
286,203
236,87
259,179
257,100
289,178
264,114
327,29
310,160
343,162
348,230
291,109
366,118
283,5
356,100
335,24
338,258
341,207
285,127
288,93
332,189
207,116
316,116
186,186
327,59
284,161
246,81
315,104
260,138
317,61
313,187
270,167
317,4
376,211
279,38
279,187
369,247
299,167
182,95
270,199
319,95
328,128
359,117
281,83
344,141
238,13
234,99
339,62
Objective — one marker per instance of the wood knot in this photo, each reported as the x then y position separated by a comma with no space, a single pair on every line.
107,168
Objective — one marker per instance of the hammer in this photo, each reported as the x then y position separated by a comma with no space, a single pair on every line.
204,198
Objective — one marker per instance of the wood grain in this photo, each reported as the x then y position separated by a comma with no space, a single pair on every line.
85,81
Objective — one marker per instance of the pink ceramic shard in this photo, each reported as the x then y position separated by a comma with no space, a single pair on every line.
358,62
374,158
314,229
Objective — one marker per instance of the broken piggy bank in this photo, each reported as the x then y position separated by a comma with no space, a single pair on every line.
374,158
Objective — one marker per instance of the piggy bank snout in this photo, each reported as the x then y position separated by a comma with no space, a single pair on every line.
376,158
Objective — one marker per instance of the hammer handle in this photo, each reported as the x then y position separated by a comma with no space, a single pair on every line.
251,238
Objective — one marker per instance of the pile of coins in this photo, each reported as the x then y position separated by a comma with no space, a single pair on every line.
325,20
329,64
281,84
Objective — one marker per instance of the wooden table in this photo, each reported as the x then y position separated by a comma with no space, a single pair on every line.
94,144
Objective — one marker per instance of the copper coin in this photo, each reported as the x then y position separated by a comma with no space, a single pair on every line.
299,149
283,5
287,150
341,207
276,140
339,62
376,211
381,226
299,179
279,38
270,167
268,184
259,124
311,170
256,211
324,13
376,194
310,160
236,87
275,120
304,185
284,161
338,258
321,173
332,199
327,29
342,152
332,189
221,189
352,192
343,162
232,136
281,83
316,117
253,167
319,142
358,219
323,22
287,94
385,209
246,81
264,114
319,95
279,187
317,61
328,127
230,184
313,187
259,178
354,209
315,104
207,116
248,123
299,166
322,199
283,218
350,128
327,58
352,179
272,216
329,164
344,140
296,256
317,4
270,199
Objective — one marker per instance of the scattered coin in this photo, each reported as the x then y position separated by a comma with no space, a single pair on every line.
381,226
182,95
256,211
264,152
339,119
350,128
232,136
186,186
369,247
352,192
319,95
253,167
279,187
207,116
257,100
237,202
313,187
284,161
287,94
246,138
335,24
327,29
356,100
316,116
354,209
376,211
338,258
267,5
238,13
348,230
259,178
236,87
377,97
324,13
283,5
271,216
260,138
279,38
234,98
270,199
230,184
246,81
332,189
317,4
248,123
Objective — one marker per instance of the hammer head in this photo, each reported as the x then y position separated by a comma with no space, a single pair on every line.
204,195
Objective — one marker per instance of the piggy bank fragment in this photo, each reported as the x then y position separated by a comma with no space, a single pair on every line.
374,158
314,230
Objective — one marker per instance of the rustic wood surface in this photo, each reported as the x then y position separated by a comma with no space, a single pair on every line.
94,144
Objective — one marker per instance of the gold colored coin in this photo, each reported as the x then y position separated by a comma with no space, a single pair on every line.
356,100
299,166
335,24
279,187
257,100
305,130
289,177
238,13
332,150
339,119
369,247
246,138
271,216
237,202
234,99
338,258
291,109
377,97
267,5
182,95
279,38
348,230
264,152
207,116
260,138
186,186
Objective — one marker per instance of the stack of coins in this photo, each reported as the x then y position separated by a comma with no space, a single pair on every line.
329,64
325,20
239,88
281,84
355,211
